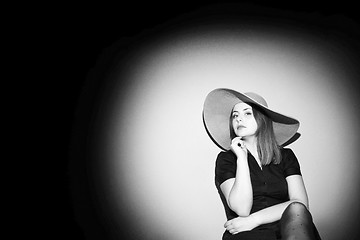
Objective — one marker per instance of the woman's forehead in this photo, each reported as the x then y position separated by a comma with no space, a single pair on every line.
241,106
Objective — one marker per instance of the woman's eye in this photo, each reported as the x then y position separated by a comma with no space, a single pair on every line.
235,116
248,113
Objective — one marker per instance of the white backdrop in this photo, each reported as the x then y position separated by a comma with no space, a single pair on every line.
160,161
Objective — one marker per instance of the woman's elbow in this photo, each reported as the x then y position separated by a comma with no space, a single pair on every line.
240,210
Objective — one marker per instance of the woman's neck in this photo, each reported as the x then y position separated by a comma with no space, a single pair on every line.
251,145
250,142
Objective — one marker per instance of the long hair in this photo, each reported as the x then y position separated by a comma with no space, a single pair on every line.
267,147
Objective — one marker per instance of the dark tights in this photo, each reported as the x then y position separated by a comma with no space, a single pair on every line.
296,223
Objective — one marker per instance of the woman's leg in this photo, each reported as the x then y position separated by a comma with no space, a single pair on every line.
296,223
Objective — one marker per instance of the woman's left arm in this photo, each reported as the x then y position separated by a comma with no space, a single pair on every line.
297,193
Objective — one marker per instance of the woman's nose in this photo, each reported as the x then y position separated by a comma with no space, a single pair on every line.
238,119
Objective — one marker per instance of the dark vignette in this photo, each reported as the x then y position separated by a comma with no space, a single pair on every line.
106,49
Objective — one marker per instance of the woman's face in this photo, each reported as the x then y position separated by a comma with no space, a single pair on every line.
243,121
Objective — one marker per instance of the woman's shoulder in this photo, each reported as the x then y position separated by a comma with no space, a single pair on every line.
288,156
289,162
285,152
226,156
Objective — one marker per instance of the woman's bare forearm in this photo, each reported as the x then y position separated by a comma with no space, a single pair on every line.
271,214
241,194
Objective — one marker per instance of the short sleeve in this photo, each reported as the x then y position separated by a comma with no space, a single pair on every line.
291,163
225,167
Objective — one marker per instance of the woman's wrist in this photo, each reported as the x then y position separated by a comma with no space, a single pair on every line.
254,218
241,159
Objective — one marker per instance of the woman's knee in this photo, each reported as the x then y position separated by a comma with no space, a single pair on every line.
296,222
297,206
296,209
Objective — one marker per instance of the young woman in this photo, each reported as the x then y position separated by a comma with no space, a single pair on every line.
258,179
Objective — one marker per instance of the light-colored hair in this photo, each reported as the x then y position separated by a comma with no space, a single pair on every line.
267,147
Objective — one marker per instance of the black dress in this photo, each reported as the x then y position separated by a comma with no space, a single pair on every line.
269,188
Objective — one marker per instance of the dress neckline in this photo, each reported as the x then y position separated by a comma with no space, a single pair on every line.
257,163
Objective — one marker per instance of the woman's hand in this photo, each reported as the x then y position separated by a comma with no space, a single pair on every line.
240,224
238,147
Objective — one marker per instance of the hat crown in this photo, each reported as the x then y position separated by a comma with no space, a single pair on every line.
257,98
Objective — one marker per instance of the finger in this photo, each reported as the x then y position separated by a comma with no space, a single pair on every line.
237,142
228,223
241,144
231,228
233,231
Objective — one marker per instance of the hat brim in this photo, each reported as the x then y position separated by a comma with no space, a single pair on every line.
217,110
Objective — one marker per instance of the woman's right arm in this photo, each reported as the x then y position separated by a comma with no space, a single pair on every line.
238,191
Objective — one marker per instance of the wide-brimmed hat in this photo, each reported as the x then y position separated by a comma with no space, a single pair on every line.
217,111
